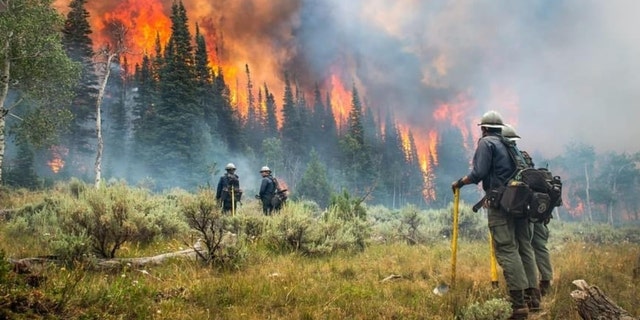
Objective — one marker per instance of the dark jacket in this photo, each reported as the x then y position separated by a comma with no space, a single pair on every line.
225,183
491,162
267,188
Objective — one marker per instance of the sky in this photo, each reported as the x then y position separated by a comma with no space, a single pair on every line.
560,71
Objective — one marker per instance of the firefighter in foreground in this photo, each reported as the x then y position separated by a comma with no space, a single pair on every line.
540,233
228,193
493,166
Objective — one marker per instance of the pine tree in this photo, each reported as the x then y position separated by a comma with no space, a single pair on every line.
204,85
179,142
393,160
228,125
290,130
314,184
330,132
271,125
415,177
355,127
357,161
452,162
79,47
253,128
303,125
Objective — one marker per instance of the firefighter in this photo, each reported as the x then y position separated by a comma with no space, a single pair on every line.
492,165
267,190
228,193
538,242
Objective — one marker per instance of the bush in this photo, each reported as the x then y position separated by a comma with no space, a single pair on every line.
223,248
297,230
471,225
494,309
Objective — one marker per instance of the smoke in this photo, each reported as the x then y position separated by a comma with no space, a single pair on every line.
560,71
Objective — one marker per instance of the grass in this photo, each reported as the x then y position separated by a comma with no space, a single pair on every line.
269,285
341,286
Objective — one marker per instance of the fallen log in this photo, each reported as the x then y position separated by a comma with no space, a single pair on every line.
35,265
593,304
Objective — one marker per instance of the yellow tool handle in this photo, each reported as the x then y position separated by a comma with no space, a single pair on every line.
233,202
494,264
454,236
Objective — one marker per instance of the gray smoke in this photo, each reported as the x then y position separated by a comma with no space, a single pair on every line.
561,71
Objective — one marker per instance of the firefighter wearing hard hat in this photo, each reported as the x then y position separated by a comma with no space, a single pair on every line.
493,166
267,190
228,193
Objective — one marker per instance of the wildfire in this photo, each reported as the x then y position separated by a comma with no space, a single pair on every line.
144,22
340,100
456,113
57,158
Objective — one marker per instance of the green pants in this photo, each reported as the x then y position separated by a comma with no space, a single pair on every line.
539,243
512,242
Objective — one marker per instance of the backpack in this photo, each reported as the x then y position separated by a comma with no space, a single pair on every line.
280,196
530,192
232,182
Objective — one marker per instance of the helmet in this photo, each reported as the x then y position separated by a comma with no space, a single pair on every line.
265,169
509,132
491,119
230,166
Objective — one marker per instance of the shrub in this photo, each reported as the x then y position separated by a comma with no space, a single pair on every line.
297,230
494,309
471,225
223,248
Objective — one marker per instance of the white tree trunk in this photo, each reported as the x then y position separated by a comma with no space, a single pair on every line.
4,91
103,86
588,204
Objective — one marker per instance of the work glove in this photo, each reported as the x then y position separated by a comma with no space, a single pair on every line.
457,185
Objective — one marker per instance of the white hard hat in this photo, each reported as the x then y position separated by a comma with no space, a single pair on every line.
265,168
230,166
491,119
509,132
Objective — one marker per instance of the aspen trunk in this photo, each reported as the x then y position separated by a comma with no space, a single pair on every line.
103,86
4,91
586,176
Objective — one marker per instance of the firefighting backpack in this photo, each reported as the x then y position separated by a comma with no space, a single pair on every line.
531,193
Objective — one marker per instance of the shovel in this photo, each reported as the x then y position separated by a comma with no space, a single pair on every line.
443,287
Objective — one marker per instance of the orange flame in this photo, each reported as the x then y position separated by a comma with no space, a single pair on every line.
340,100
57,154
144,21
456,113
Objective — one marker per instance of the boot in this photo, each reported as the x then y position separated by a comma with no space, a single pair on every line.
532,298
545,287
519,306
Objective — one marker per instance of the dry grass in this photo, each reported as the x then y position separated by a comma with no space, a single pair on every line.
292,286
341,286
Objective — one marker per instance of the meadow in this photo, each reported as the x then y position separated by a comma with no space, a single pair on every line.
347,262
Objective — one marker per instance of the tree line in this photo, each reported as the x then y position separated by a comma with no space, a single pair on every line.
172,122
